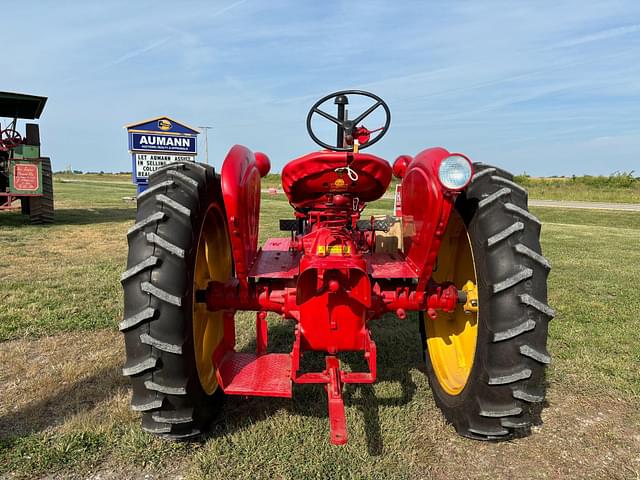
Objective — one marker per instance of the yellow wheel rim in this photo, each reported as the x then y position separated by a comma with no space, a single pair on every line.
451,338
213,262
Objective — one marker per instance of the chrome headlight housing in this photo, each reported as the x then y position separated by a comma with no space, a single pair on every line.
455,172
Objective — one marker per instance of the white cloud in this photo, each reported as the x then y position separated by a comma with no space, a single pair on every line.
601,35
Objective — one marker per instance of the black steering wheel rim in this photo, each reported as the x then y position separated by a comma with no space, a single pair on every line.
315,110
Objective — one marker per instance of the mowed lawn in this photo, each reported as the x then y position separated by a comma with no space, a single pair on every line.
64,405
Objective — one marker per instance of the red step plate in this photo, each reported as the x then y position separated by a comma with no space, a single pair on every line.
267,375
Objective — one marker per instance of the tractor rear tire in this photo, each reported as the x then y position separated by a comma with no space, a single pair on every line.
40,208
159,301
505,388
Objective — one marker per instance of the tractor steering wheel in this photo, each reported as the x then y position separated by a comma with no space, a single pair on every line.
347,130
10,137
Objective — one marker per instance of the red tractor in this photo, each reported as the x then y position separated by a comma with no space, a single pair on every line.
465,257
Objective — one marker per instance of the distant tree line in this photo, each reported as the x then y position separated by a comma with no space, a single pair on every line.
616,179
81,172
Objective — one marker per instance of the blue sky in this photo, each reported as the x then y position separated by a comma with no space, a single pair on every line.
538,87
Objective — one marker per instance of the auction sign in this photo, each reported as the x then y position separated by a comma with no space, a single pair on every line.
156,142
147,163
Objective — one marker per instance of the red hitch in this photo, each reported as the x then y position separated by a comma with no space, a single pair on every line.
337,420
272,374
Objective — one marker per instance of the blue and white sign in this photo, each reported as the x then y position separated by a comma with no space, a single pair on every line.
150,142
155,142
147,163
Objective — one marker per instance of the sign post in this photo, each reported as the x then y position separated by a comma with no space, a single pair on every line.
156,142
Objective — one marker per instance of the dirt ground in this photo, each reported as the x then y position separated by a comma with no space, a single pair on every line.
69,380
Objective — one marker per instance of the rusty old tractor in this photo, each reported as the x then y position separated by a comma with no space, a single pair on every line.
463,255
24,174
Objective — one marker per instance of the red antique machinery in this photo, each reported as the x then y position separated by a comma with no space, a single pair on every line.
464,256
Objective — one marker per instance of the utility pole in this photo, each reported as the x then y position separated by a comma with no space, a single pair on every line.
206,143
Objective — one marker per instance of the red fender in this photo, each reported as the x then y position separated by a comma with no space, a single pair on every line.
240,179
426,206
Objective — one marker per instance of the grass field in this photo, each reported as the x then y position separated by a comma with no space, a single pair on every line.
64,405
621,188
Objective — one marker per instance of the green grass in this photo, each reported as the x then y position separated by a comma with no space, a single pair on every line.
35,454
595,256
94,177
619,187
64,410
622,188
47,271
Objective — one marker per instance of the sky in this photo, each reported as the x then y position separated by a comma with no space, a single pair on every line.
539,87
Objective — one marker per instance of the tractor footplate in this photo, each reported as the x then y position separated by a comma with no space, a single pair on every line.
389,265
275,260
250,374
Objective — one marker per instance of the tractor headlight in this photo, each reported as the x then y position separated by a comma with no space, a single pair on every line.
455,172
